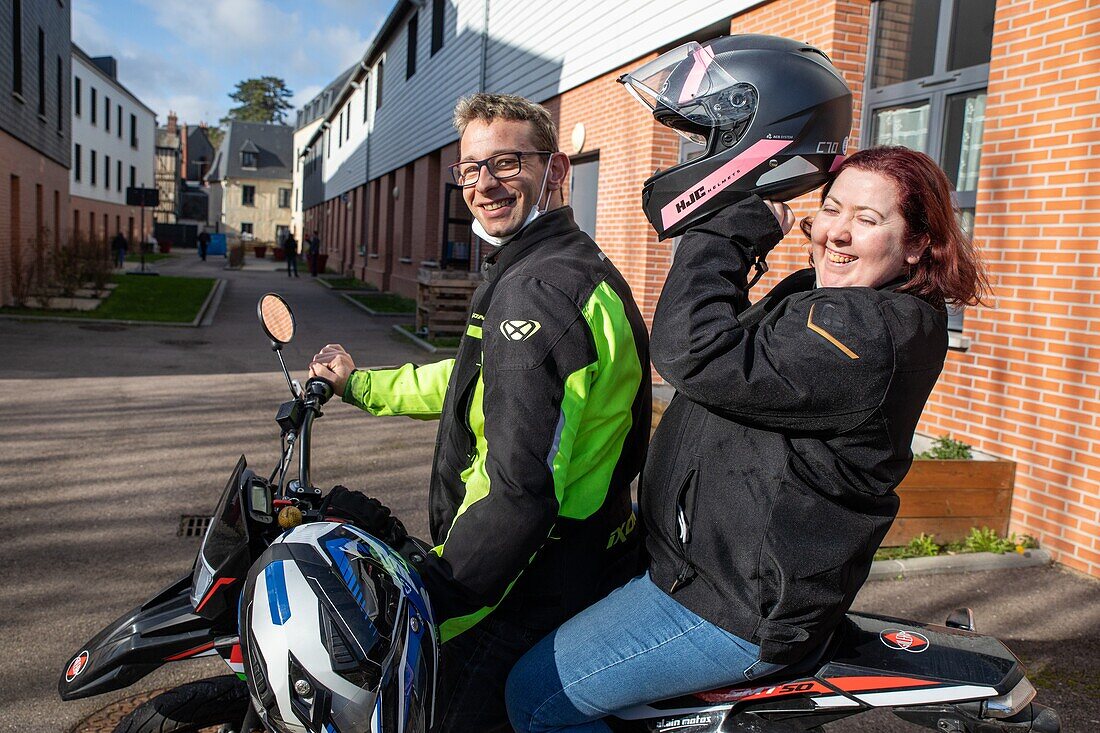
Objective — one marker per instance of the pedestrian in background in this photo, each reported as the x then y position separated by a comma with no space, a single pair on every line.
314,251
119,245
204,242
290,247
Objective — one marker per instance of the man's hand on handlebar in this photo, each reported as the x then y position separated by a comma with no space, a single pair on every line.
335,364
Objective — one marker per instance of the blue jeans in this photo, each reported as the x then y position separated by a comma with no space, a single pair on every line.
636,646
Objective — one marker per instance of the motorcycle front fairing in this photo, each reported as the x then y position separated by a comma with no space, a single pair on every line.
167,627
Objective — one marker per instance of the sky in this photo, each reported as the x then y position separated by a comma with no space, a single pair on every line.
187,55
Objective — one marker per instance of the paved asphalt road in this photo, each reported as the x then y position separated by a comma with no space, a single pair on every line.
112,434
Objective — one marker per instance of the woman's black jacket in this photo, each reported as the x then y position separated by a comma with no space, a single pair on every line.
770,480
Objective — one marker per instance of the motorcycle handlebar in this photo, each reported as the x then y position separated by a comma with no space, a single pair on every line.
318,391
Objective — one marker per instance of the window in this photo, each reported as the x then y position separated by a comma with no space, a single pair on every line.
410,59
929,71
366,98
92,103
133,131
107,172
133,177
60,95
340,131
378,84
76,95
118,127
118,175
246,230
248,195
284,198
91,166
347,114
439,7
281,232
76,161
106,113
17,48
41,72
248,159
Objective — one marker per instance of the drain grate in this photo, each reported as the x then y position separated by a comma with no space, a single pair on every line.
192,525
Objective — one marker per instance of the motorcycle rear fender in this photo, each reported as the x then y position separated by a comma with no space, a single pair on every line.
163,629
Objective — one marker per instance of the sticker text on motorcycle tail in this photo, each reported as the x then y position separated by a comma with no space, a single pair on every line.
78,665
902,640
688,721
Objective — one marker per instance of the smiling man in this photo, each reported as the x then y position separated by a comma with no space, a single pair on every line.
544,417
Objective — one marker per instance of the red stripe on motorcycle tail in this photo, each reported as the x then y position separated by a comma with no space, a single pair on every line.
861,684
740,694
214,589
191,652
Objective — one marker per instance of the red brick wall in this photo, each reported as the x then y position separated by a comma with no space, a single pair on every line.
117,214
1028,389
18,227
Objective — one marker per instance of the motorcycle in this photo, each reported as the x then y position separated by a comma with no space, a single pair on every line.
947,678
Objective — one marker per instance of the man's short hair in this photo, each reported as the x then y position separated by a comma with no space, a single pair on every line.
488,107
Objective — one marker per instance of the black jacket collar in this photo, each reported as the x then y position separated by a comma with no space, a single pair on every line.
548,225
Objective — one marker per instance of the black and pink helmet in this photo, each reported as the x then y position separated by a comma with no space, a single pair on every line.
774,115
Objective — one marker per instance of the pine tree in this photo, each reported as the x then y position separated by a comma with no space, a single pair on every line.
261,100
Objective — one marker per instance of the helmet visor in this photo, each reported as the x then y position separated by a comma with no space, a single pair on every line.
689,82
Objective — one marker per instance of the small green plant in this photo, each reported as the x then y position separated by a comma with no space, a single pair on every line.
922,546
944,448
986,540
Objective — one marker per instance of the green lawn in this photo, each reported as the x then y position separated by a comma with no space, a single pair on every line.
142,298
387,303
348,283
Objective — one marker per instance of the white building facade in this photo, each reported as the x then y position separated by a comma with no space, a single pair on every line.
114,136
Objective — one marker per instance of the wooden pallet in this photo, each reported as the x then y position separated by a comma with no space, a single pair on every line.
443,301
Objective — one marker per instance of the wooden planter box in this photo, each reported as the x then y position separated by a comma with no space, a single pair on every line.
943,498
443,301
947,498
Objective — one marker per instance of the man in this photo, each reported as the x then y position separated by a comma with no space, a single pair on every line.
544,417
290,249
120,245
204,242
314,251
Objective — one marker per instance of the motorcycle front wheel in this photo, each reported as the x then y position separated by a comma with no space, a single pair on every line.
192,707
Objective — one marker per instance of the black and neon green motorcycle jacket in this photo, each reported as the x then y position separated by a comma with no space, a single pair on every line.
544,419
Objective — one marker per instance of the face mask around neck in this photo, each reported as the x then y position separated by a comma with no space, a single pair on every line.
535,213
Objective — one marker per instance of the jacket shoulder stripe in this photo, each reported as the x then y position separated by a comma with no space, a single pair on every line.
828,336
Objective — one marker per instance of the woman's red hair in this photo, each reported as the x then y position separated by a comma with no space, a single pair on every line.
950,267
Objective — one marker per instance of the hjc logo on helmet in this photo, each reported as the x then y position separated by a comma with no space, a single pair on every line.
695,196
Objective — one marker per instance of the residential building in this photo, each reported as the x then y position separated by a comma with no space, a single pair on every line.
35,136
309,120
1002,93
113,149
250,182
197,153
169,171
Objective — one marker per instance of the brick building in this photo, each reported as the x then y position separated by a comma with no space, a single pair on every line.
35,135
1002,93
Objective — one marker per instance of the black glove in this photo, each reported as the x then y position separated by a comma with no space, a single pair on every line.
364,512
749,225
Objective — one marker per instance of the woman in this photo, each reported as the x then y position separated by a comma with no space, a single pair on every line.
770,481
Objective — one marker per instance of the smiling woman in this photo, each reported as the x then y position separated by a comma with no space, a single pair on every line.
888,214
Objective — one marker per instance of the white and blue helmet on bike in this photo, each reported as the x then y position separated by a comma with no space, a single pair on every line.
337,635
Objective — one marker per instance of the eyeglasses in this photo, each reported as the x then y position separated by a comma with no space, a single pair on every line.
502,166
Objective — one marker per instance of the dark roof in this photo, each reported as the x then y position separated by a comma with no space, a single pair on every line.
319,105
273,143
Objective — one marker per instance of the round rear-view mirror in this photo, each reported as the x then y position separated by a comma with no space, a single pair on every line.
276,318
